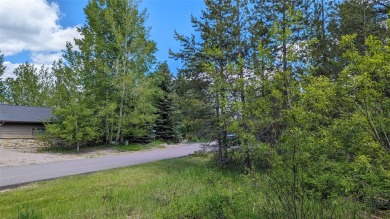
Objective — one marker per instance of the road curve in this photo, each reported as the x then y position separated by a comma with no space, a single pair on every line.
17,175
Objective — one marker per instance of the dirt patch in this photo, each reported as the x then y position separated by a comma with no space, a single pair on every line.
10,157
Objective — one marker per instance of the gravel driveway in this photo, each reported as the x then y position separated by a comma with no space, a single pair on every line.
9,157
16,175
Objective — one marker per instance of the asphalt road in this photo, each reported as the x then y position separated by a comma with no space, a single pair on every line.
18,175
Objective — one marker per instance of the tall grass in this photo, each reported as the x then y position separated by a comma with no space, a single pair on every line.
177,188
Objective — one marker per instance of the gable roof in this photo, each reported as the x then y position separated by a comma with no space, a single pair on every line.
12,113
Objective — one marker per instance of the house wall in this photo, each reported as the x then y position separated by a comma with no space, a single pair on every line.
19,144
21,136
20,131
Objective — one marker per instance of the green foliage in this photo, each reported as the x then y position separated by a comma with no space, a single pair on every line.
366,87
102,92
76,124
115,71
349,20
195,113
340,149
165,124
305,104
224,42
30,87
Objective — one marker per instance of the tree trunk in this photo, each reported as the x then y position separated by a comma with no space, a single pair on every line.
77,130
118,134
219,140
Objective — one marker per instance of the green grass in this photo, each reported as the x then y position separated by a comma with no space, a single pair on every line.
178,188
139,146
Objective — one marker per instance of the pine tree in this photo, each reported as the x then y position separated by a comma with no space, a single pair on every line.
224,32
164,125
360,17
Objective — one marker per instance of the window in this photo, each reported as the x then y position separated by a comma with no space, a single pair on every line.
38,131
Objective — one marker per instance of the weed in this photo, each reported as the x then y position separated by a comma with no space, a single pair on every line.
27,213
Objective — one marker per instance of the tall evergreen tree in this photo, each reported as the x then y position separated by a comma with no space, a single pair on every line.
224,33
360,17
165,122
322,50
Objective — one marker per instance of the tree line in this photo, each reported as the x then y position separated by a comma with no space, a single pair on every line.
105,88
296,89
303,87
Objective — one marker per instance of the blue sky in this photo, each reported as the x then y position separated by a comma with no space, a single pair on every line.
37,33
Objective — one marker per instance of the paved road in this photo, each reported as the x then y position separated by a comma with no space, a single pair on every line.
17,175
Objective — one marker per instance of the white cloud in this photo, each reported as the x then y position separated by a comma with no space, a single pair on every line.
45,58
9,68
32,25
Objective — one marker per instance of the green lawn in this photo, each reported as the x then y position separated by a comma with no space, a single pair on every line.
178,188
139,146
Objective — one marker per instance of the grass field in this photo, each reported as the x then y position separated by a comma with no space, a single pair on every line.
179,188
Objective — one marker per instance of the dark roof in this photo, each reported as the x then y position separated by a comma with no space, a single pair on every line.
11,113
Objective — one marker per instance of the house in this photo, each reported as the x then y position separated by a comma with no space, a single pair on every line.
22,121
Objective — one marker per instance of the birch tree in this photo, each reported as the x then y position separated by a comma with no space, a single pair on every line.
115,57
2,85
